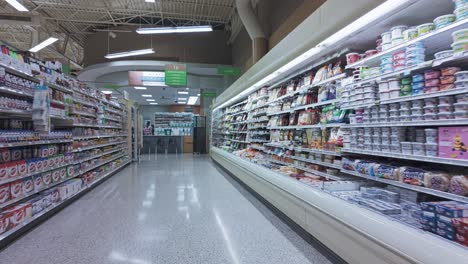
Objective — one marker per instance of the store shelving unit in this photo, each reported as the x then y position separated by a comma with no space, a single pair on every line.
294,149
103,153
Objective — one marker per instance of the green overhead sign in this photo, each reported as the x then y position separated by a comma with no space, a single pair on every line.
229,71
176,75
208,94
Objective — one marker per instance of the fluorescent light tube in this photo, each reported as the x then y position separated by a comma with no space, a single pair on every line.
198,94
192,100
106,92
17,5
150,100
181,102
182,92
146,95
139,88
43,44
150,1
166,30
129,53
153,103
182,99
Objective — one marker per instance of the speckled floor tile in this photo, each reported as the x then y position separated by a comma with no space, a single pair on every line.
173,210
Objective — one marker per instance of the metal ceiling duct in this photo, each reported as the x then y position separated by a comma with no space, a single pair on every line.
252,25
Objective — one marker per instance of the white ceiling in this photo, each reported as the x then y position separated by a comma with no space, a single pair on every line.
72,20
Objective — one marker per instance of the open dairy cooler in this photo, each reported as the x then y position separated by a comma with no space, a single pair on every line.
361,139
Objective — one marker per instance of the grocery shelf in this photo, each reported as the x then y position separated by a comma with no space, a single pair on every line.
58,87
112,119
432,41
34,173
279,144
257,121
99,165
64,118
319,173
259,114
257,107
258,141
240,103
306,126
280,162
77,100
238,113
98,146
260,98
8,90
37,218
97,156
19,73
83,93
438,160
33,143
57,102
286,96
93,137
84,125
329,80
239,123
258,148
426,95
75,112
238,141
331,165
449,122
316,104
112,104
282,112
109,126
318,151
433,192
112,111
238,132
354,106
19,113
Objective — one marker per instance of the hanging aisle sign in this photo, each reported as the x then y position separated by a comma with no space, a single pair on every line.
146,78
176,75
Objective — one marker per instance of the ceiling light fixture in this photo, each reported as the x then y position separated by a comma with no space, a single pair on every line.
43,44
166,30
182,92
153,103
146,95
150,100
129,53
139,88
181,102
182,99
150,1
192,100
198,94
106,92
17,5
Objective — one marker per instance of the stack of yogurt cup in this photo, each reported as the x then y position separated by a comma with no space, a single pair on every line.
415,54
431,145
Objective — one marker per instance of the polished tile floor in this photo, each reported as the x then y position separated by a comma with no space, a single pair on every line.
174,210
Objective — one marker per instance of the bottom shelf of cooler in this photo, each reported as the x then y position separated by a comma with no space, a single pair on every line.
37,217
356,234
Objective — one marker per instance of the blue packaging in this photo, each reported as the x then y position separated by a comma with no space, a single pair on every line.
417,85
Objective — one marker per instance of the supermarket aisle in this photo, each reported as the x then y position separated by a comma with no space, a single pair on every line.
174,210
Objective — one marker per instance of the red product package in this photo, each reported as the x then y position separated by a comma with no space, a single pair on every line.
4,193
28,186
12,169
47,178
38,183
4,223
3,172
22,167
16,189
19,213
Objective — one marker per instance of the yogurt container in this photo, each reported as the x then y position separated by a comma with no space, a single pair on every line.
417,118
394,113
376,147
431,75
425,28
443,54
368,89
395,148
450,79
417,85
397,41
418,148
443,21
384,95
430,101
406,147
432,82
417,104
431,149
461,75
460,46
460,35
462,98
383,86
418,78
397,31
430,110
430,117
444,87
370,53
386,59
353,57
386,37
394,107
460,114
400,55
431,89
444,100
393,84
406,80
452,71
387,46
417,91
358,90
459,3
406,118
461,11
445,108
394,93
410,33
431,132
459,107
445,115
416,45
405,105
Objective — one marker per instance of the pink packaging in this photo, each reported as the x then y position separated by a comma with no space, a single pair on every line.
3,172
38,183
5,155
22,168
432,82
47,178
399,63
453,142
16,189
28,186
431,75
4,223
12,169
4,193
401,55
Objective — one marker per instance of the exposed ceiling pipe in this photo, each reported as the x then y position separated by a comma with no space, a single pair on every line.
252,25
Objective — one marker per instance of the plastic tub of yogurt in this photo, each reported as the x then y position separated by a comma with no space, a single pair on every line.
445,108
410,33
460,107
460,114
417,104
462,75
426,28
460,35
445,115
431,132
395,148
462,98
444,20
430,117
407,147
430,109
443,100
394,93
460,46
418,148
